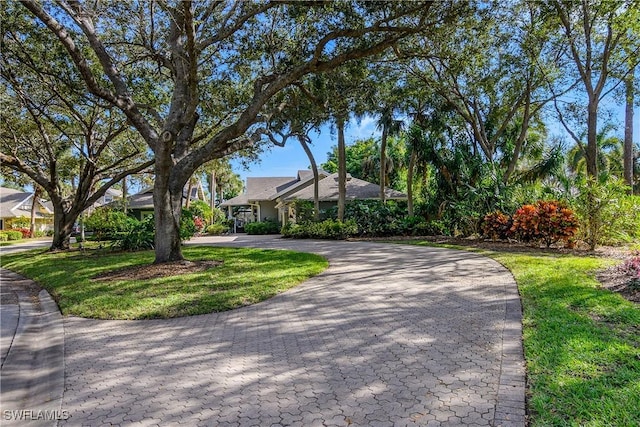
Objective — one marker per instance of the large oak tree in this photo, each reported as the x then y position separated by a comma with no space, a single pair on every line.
68,143
194,78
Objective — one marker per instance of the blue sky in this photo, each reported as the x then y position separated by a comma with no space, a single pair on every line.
286,161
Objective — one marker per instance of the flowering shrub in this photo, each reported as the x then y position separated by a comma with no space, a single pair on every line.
497,225
199,223
546,221
26,233
631,267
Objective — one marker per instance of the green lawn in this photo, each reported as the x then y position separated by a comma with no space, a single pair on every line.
582,343
247,276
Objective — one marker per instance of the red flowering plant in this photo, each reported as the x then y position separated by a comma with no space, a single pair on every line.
199,223
546,221
497,226
26,233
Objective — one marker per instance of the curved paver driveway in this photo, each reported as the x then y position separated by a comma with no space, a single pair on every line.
388,335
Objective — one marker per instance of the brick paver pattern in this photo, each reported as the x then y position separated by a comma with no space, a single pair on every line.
388,335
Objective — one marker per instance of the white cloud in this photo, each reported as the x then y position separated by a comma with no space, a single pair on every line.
365,129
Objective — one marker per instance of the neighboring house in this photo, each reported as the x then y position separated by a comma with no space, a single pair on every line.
273,198
140,205
109,196
15,210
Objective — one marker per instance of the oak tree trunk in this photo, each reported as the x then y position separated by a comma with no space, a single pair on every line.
63,221
167,200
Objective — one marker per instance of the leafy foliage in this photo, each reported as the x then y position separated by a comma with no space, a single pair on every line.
201,209
216,229
266,227
140,237
327,229
497,226
188,227
375,218
605,211
10,235
546,221
107,223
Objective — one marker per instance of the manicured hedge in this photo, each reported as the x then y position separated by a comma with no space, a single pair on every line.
266,227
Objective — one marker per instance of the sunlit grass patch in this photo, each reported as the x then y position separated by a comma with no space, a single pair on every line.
246,276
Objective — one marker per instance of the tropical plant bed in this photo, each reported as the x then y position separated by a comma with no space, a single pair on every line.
104,284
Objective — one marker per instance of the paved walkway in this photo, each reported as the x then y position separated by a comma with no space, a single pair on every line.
388,335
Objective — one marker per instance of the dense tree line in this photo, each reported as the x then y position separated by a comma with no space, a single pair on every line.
108,88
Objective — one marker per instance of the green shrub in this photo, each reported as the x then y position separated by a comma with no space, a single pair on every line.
375,218
13,234
3,236
304,210
608,215
139,238
25,232
327,229
431,228
266,227
201,209
109,224
187,225
217,229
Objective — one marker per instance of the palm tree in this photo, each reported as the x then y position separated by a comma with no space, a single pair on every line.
389,127
609,155
416,145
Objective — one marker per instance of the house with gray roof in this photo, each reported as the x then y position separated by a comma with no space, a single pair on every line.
140,205
15,208
273,198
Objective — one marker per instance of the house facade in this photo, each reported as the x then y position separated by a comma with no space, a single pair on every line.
272,199
140,205
15,210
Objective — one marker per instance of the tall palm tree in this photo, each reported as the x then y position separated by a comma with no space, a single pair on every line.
416,144
389,127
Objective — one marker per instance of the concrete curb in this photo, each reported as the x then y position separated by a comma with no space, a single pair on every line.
33,371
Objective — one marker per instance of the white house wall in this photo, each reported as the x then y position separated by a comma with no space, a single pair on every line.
268,210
